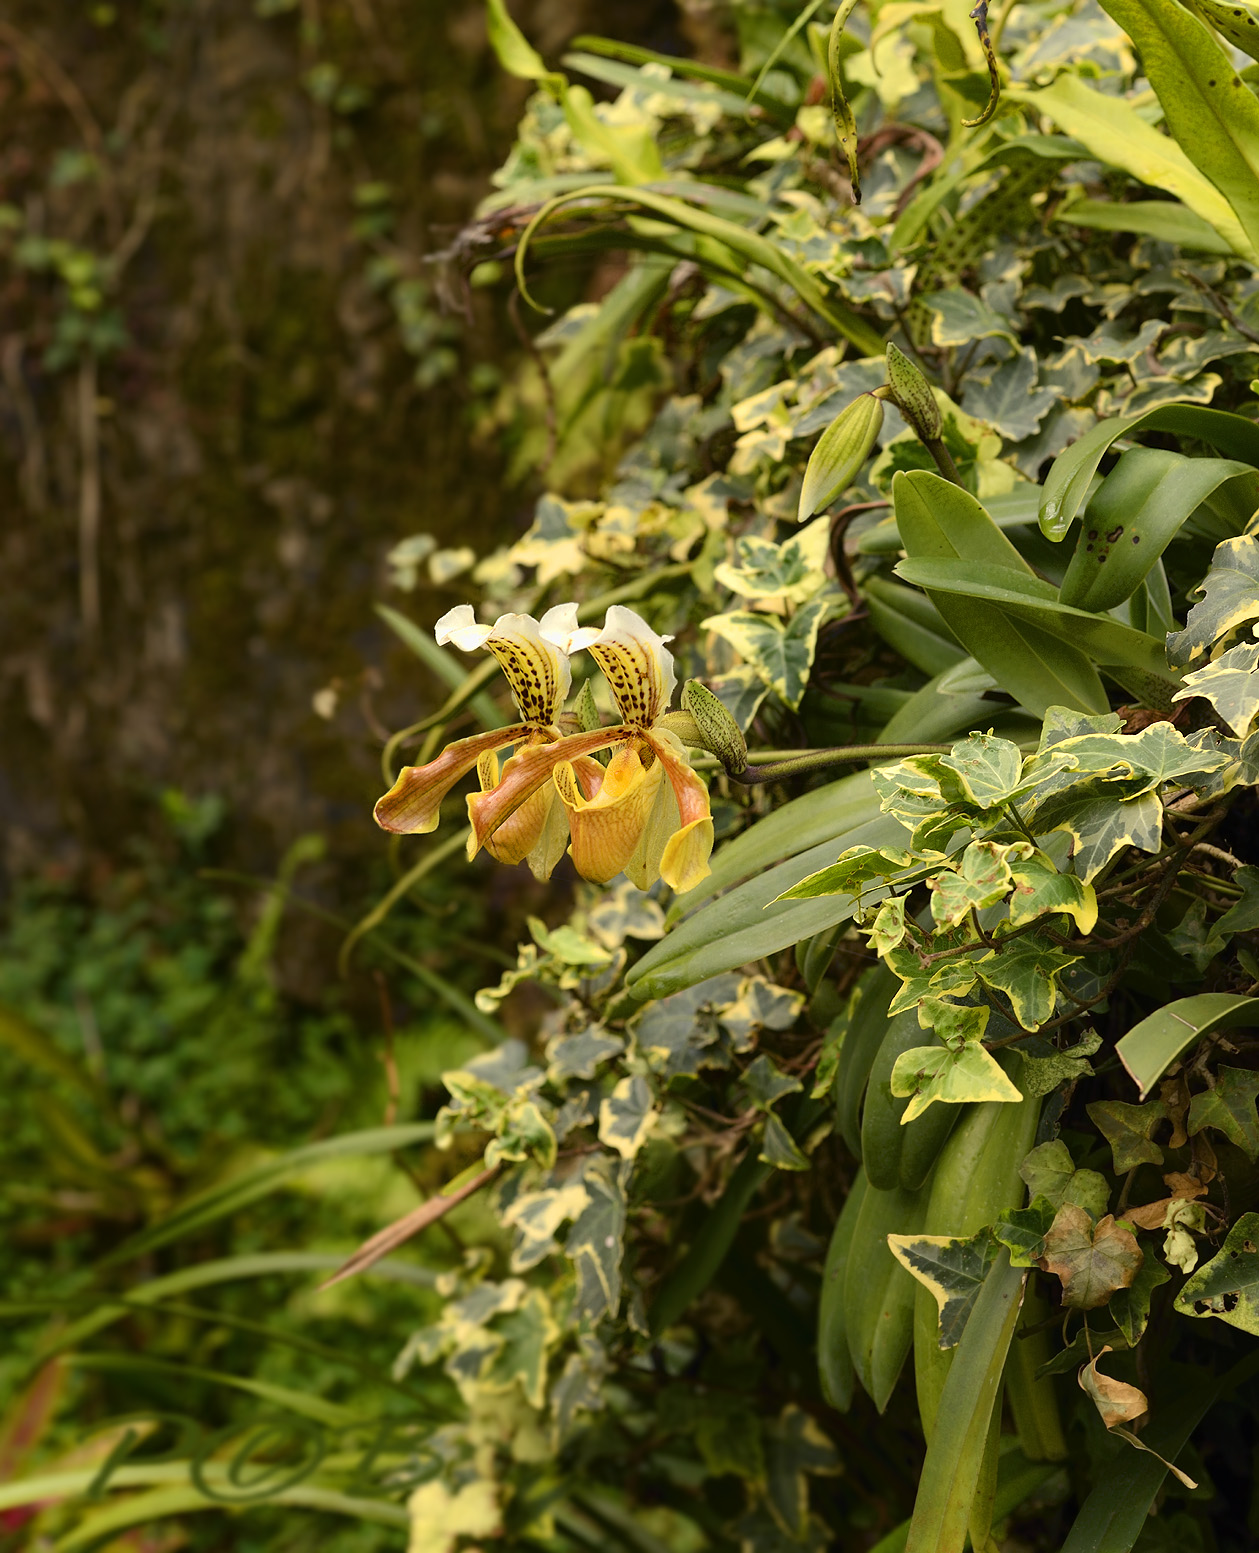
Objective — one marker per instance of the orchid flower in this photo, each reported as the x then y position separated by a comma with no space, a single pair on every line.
647,813
534,656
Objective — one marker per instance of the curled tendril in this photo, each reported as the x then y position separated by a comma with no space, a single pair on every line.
980,18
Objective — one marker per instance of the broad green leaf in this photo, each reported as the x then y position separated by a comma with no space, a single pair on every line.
951,1269
1070,481
1129,1308
782,654
911,625
1244,916
852,869
1049,1172
1139,508
939,523
1230,1107
1092,1260
1166,220
1041,890
1237,22
1230,599
249,1185
981,877
1230,684
1228,1285
514,51
1026,970
1129,1130
1150,1048
960,1436
1114,132
751,921
1105,639
1210,112
749,245
1101,824
1011,509
1022,1231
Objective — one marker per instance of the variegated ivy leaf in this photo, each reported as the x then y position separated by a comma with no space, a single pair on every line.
1230,684
1156,754
975,450
441,1517
625,912
1101,824
793,571
981,877
626,1116
741,692
887,930
779,1148
679,1035
782,654
797,1449
988,768
580,1055
760,1005
957,1072
567,944
1009,400
1040,890
595,1242
527,1335
581,1387
1043,1073
951,977
765,1084
1228,1285
1026,970
852,869
952,1268
1230,599
536,1216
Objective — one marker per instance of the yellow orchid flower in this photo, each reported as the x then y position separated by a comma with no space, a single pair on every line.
533,655
647,813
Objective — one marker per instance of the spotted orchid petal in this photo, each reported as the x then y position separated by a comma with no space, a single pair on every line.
412,805
608,829
533,654
530,769
635,662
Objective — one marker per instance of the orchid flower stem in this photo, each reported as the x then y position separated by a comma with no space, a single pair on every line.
786,763
944,459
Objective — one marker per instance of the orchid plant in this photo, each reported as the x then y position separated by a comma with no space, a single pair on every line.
646,813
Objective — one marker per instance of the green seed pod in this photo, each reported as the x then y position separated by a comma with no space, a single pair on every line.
840,452
913,395
718,730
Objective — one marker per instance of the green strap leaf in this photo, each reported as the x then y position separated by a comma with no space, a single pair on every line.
1150,1048
1070,480
1210,111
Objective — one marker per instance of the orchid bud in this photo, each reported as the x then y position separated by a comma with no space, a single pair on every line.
840,452
913,395
717,729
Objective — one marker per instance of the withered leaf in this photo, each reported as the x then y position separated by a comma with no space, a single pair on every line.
1115,1400
1092,1260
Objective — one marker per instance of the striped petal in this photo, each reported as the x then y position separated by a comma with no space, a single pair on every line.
533,654
412,805
635,662
684,861
530,769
